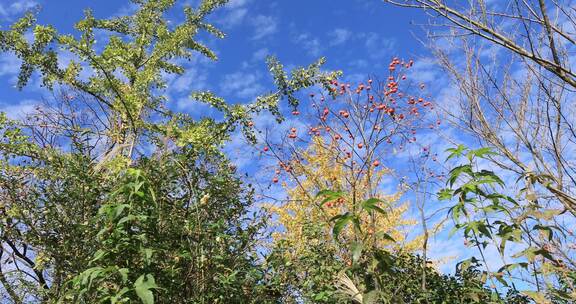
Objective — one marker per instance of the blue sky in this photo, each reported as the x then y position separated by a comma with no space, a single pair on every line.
358,37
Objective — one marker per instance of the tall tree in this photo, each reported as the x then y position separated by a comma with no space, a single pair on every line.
343,143
106,194
512,65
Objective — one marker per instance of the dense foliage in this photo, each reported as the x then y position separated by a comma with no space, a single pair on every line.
108,196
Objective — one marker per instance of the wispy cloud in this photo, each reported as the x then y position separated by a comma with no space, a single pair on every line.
9,65
16,8
310,44
242,84
378,47
260,54
339,36
19,110
190,81
232,4
234,17
264,26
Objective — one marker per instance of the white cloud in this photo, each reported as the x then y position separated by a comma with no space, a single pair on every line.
9,65
425,70
339,36
242,84
260,54
377,46
232,4
16,8
190,81
234,13
193,107
19,110
311,45
234,17
264,26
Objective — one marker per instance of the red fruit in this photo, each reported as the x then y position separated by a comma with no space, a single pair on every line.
293,130
360,145
376,163
250,124
370,81
404,77
266,149
295,113
292,136
345,114
275,180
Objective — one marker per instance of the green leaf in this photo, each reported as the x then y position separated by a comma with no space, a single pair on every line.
143,287
384,235
341,222
481,153
456,152
457,171
546,230
370,205
98,255
445,194
327,192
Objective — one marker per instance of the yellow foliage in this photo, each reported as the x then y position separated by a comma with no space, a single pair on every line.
319,167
